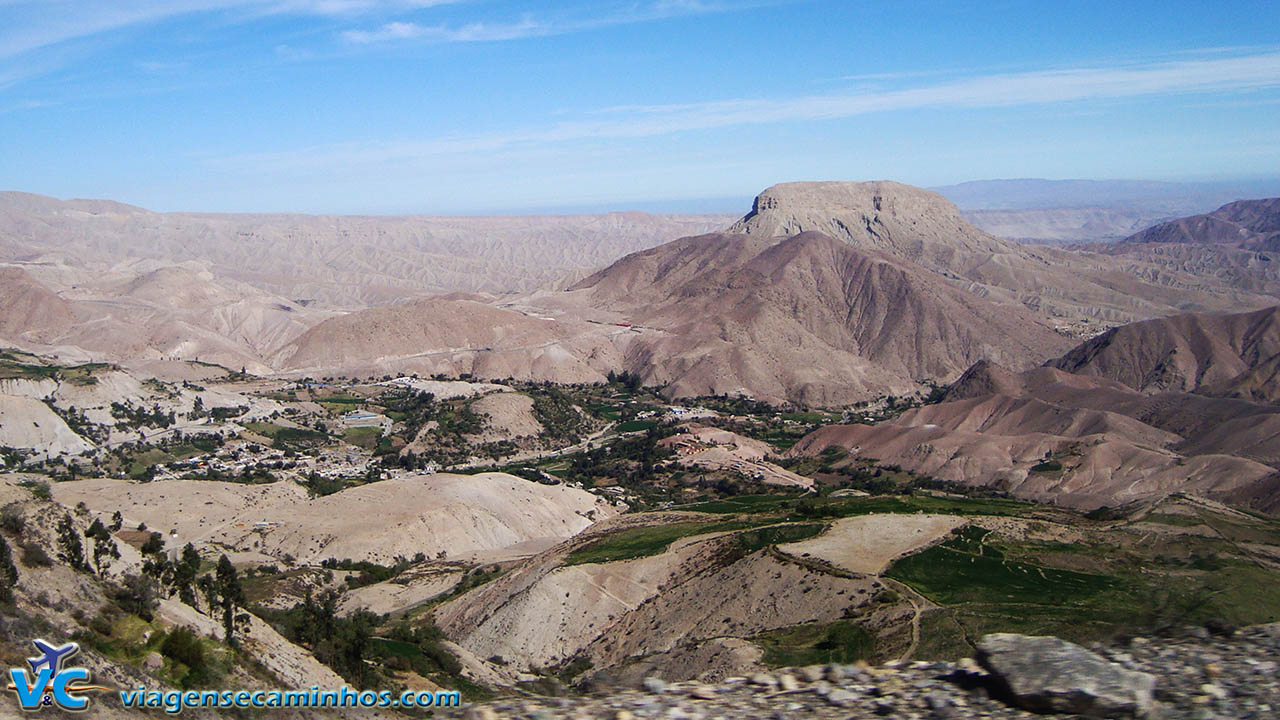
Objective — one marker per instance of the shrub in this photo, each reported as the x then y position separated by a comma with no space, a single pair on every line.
33,555
11,520
184,646
38,488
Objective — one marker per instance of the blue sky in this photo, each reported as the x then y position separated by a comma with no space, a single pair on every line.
482,105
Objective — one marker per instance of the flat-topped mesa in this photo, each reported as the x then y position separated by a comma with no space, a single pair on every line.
907,221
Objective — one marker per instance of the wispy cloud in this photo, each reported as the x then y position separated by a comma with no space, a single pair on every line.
528,26
473,32
27,25
1216,74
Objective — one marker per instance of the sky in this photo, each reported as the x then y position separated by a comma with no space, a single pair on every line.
473,106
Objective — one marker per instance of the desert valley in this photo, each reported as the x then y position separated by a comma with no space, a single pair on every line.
529,481
639,359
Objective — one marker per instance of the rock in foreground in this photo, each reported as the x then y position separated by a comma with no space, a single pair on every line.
1046,674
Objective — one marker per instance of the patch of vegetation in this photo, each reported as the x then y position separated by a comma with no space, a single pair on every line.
1172,519
843,641
284,437
750,541
39,488
562,422
363,437
967,569
1048,466
640,542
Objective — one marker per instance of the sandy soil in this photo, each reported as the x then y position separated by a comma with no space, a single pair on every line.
28,423
510,417
404,592
868,543
457,514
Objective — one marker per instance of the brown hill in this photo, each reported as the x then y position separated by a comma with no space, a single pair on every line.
1079,440
144,313
1246,224
1220,354
807,318
30,310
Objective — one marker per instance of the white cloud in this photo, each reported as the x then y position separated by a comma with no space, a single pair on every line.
474,32
528,27
1218,74
27,25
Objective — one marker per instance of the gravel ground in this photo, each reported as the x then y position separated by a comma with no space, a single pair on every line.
1199,676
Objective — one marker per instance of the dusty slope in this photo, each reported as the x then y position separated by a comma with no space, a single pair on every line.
441,335
457,514
748,314
508,416
31,310
140,314
1189,353
544,613
29,423
868,544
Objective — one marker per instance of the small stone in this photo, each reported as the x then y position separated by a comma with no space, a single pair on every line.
840,697
968,665
788,682
940,705
834,673
811,673
1213,670
703,692
883,708
623,715
655,685
1213,691
154,661
764,679
480,712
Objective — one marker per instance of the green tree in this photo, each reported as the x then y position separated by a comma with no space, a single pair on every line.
8,573
72,549
230,596
104,546
181,576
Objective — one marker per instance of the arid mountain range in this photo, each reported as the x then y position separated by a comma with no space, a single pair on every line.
335,261
886,283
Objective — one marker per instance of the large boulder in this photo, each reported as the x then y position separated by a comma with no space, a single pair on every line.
1045,674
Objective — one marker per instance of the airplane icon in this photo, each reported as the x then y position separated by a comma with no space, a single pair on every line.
53,657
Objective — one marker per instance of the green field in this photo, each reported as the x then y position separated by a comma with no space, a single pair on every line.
645,541
637,425
366,437
966,569
281,435
842,641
